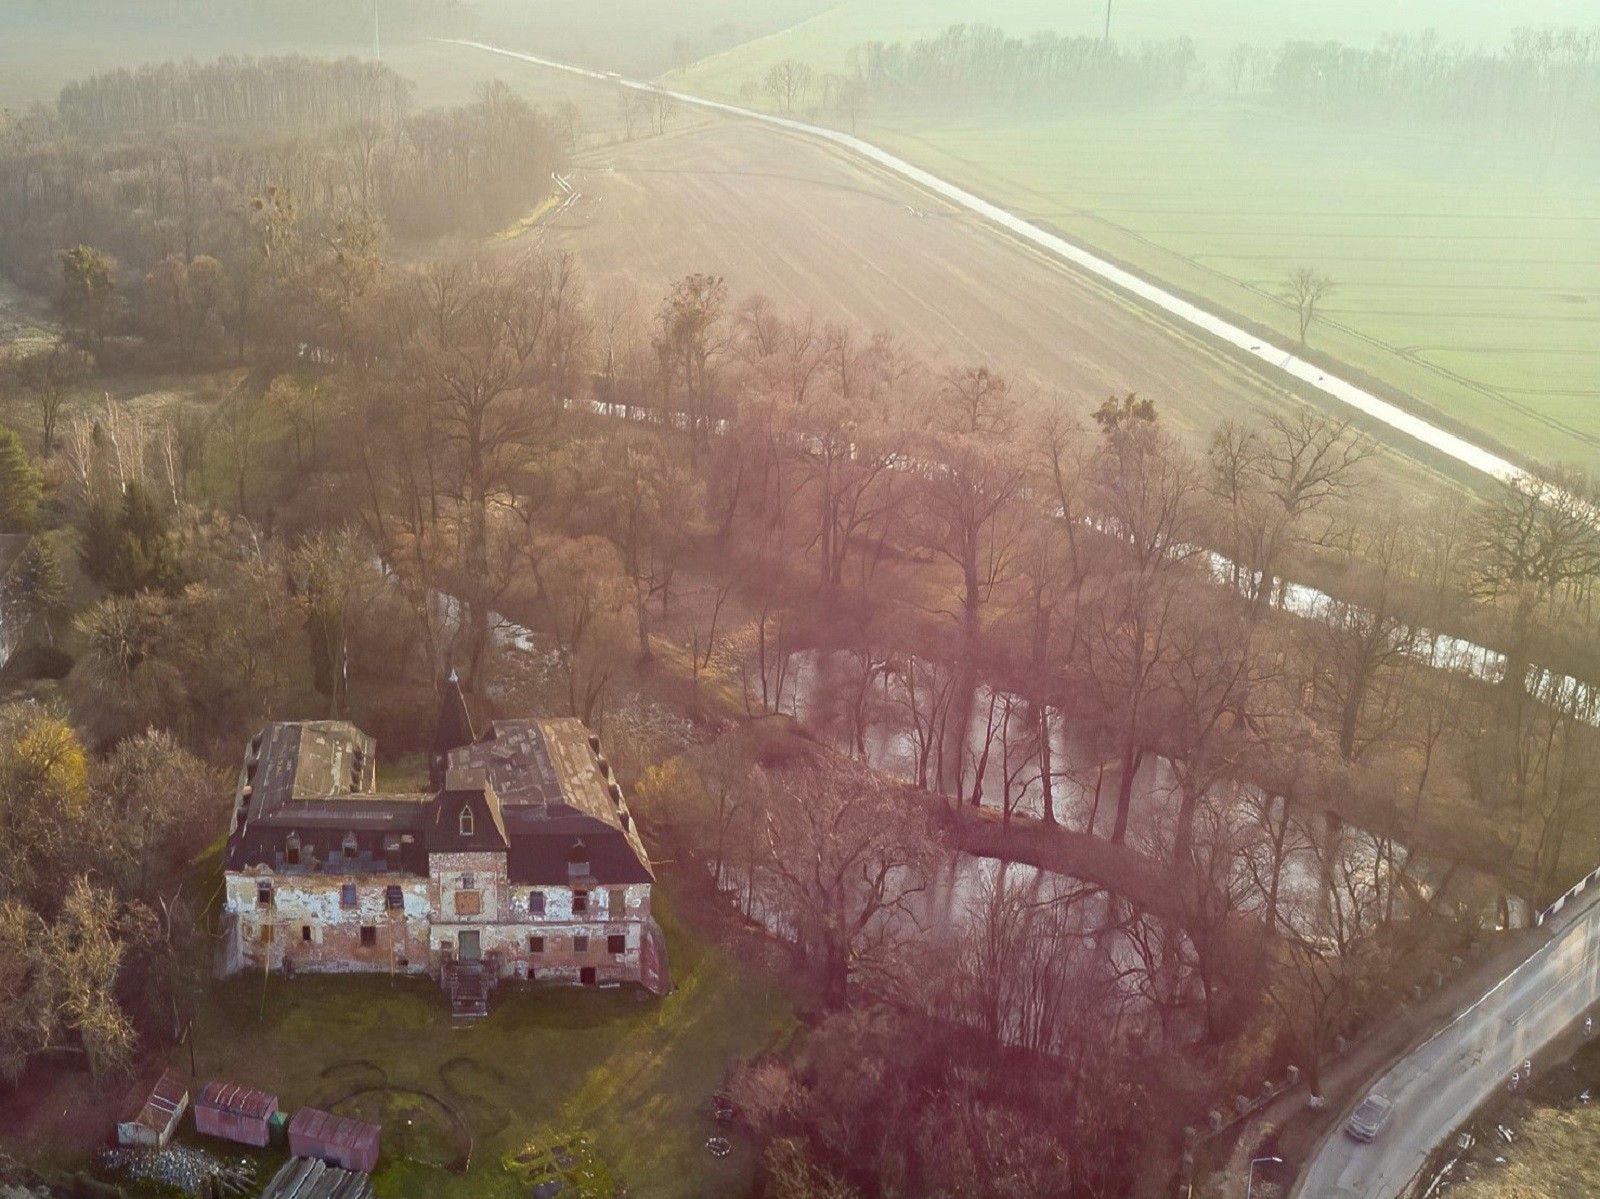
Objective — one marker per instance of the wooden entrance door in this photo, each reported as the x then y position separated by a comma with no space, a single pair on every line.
467,946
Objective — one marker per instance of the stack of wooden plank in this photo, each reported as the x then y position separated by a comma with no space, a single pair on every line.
309,1178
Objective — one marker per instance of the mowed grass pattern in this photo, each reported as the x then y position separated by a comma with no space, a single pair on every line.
1468,277
632,1075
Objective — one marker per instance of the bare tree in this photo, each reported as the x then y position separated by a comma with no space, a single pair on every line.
489,350
634,108
49,377
788,82
1281,487
969,515
663,109
1306,289
843,853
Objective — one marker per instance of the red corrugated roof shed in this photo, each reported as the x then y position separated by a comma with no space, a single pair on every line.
241,1101
235,1113
343,1140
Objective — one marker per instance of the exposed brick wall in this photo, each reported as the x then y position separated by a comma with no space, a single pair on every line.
313,928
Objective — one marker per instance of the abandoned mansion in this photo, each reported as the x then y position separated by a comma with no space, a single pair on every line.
520,861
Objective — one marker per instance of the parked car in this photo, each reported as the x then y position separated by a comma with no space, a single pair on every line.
1370,1118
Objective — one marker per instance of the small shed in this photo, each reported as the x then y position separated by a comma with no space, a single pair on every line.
338,1140
235,1113
154,1105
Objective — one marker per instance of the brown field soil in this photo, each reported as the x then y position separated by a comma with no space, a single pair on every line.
805,226
814,229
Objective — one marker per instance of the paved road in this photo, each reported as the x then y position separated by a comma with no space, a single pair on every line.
1437,1086
1191,315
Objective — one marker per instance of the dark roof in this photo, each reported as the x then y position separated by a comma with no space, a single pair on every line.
515,760
539,856
390,830
465,791
534,787
307,760
154,1098
454,728
325,1128
313,1178
240,1101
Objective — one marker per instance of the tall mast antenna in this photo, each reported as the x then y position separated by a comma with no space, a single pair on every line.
1108,18
377,44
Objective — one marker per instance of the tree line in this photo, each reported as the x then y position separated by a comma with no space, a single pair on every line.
195,215
277,96
1546,81
1545,84
968,63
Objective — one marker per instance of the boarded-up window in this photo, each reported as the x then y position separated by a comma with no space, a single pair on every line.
469,903
580,944
535,944
616,943
369,936
617,901
347,895
580,901
536,903
266,934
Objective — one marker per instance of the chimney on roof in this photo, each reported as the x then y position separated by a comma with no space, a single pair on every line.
453,730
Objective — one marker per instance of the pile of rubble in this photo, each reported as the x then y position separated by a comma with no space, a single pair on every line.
183,1167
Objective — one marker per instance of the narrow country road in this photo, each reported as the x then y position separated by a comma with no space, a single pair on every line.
1308,374
1439,1084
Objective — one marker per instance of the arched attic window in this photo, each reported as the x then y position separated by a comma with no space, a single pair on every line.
465,822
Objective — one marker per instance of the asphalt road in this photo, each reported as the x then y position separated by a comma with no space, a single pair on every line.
1438,1086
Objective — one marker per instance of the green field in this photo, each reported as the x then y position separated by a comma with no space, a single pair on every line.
627,1075
827,40
1468,275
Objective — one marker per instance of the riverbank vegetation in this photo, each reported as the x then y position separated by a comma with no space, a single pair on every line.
300,465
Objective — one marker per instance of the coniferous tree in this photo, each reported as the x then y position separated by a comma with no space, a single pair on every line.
19,485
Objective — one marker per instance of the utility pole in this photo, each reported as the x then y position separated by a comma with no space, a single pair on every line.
377,44
1108,20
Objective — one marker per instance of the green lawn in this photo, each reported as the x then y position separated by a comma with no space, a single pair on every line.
1468,275
626,1075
